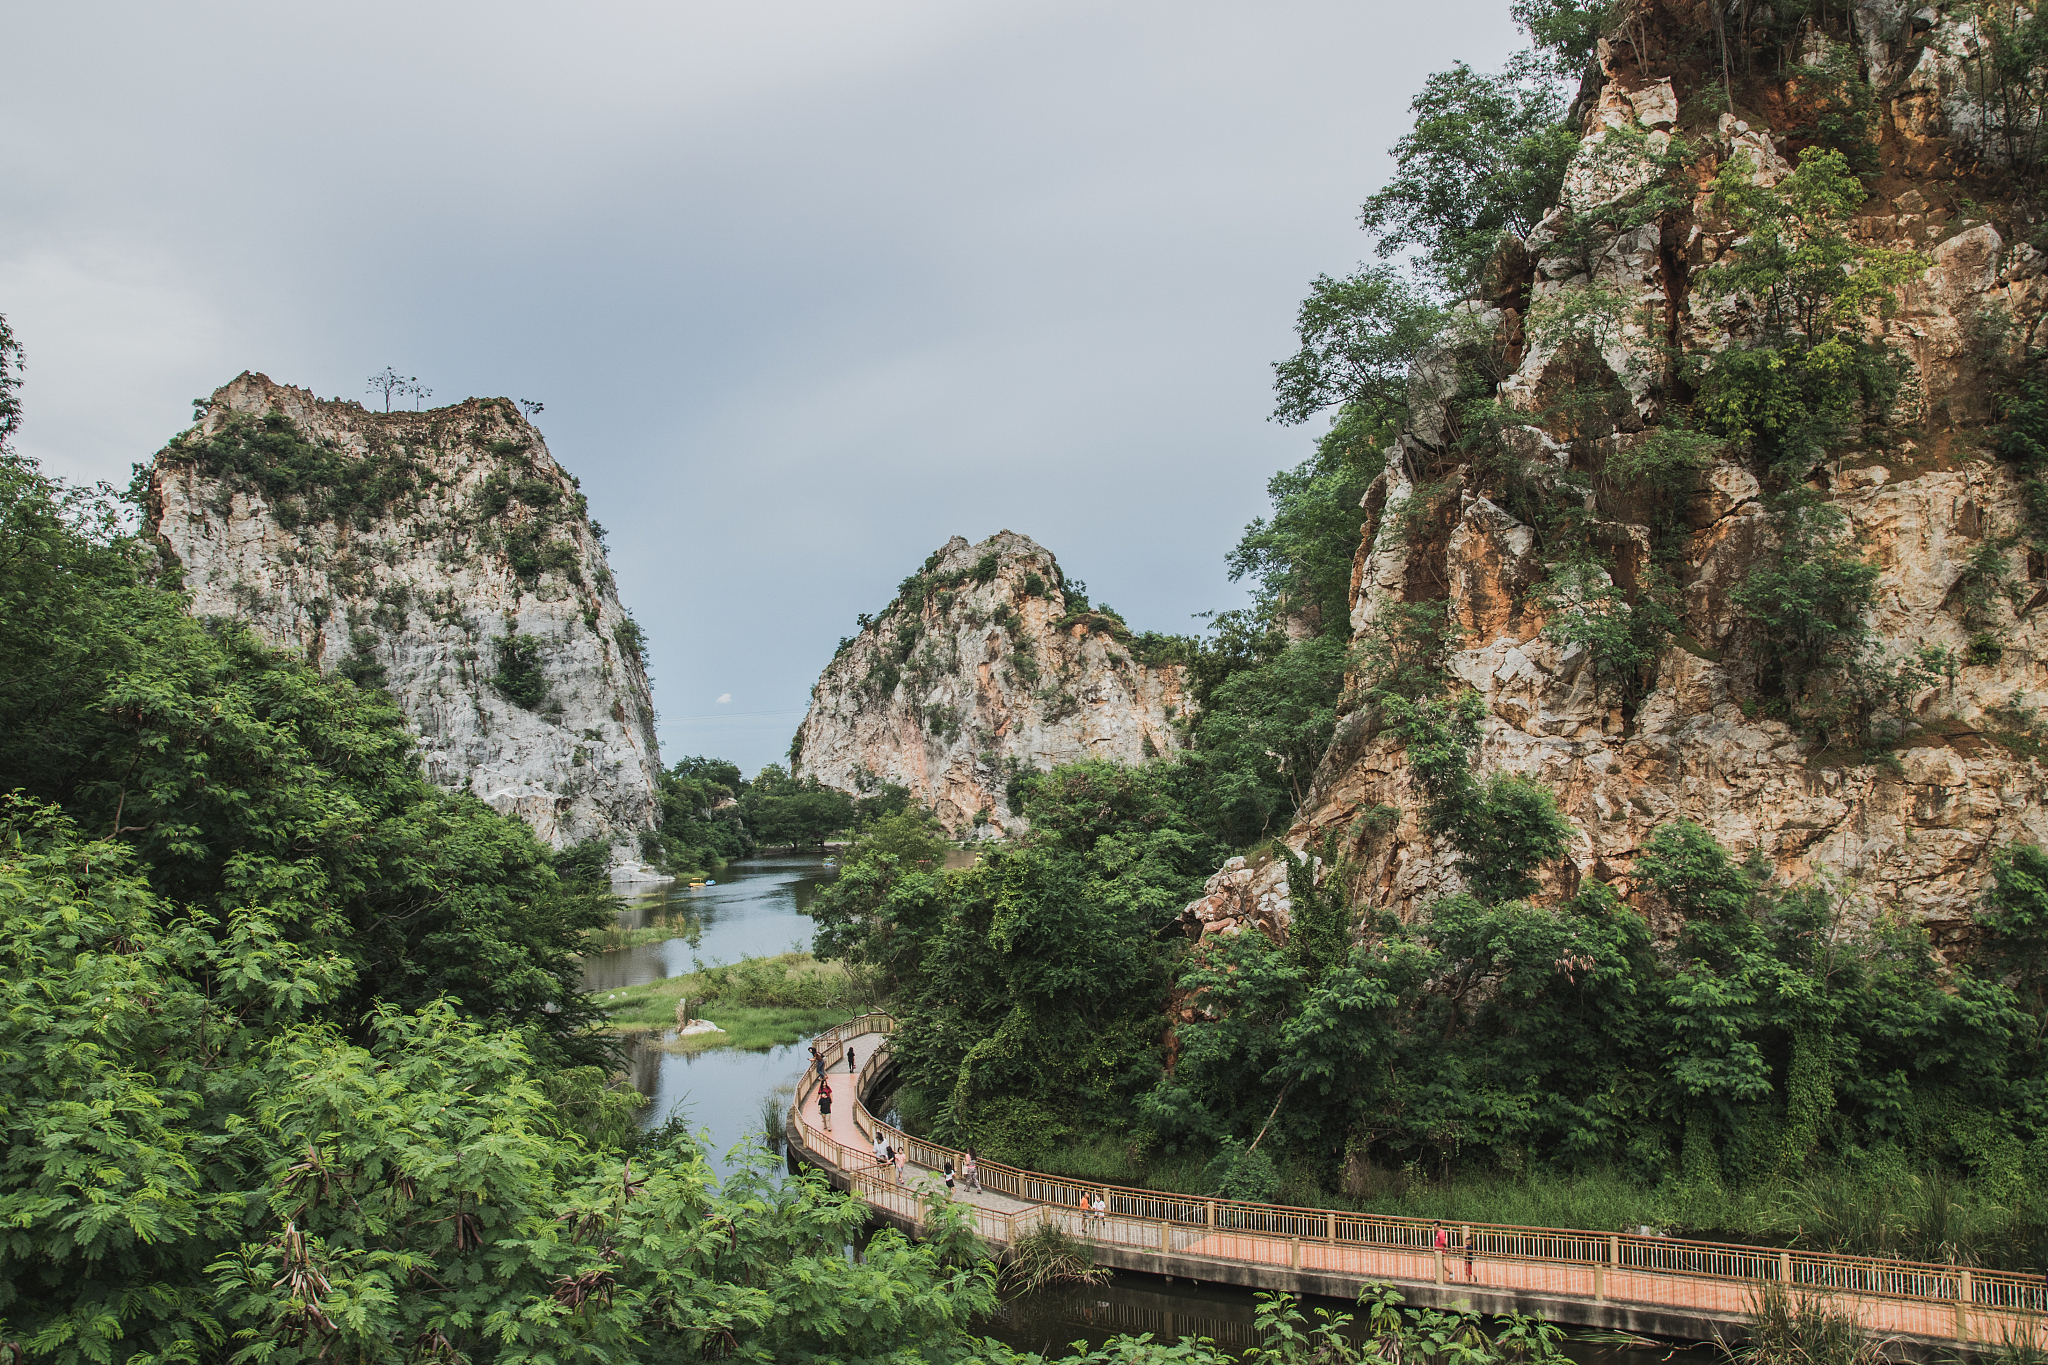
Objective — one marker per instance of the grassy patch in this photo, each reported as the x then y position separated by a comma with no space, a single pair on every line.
2020,744
755,1029
760,1002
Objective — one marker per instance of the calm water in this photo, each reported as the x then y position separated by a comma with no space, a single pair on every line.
1049,1321
757,908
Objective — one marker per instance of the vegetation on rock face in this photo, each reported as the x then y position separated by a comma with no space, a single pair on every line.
520,678
301,480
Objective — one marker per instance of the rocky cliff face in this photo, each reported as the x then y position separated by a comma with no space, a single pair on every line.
443,555
984,666
1908,825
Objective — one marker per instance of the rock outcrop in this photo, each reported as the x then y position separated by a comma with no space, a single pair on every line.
985,666
443,555
1908,826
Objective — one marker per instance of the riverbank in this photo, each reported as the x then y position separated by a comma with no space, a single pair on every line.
758,1002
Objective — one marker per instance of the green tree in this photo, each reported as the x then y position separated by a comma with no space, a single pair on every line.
1806,605
701,821
1486,156
1358,337
1802,286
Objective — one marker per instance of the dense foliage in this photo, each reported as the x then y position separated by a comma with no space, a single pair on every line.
701,825
199,1167
1030,985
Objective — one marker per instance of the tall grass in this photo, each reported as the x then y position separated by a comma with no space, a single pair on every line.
774,1110
1805,1329
1045,1256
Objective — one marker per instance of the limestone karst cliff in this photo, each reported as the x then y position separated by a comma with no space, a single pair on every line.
1896,777
984,665
443,555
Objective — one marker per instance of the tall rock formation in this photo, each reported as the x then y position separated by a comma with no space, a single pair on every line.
1906,824
984,666
443,555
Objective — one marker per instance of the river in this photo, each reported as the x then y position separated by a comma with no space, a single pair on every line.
759,907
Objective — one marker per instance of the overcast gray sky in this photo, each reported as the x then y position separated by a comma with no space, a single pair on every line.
806,285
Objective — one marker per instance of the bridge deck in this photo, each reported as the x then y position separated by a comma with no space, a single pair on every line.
1639,1284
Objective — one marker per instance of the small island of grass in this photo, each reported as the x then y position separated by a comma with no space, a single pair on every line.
759,1002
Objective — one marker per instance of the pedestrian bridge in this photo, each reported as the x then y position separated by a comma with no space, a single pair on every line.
1650,1285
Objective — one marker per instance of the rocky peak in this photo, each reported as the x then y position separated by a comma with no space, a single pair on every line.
443,555
987,663
1908,825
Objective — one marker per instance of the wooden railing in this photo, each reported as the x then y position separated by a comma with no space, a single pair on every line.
1716,1279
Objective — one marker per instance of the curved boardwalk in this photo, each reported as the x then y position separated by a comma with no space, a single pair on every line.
1654,1285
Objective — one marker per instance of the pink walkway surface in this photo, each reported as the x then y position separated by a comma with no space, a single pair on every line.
1892,1298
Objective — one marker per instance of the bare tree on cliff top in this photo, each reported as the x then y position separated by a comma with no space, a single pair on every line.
390,382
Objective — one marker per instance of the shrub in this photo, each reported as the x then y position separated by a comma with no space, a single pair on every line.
1045,1256
1806,606
519,678
631,639
300,479
1239,1172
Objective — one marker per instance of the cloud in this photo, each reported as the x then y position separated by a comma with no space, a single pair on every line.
806,287
724,697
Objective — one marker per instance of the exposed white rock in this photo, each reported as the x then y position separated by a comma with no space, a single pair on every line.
1915,838
999,676
423,587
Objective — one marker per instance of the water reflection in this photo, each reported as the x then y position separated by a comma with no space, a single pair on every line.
758,907
726,1091
1052,1319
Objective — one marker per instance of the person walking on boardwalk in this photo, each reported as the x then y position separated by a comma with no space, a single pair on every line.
881,1149
825,1104
818,1061
949,1178
1101,1214
849,1060
1465,1240
902,1160
970,1174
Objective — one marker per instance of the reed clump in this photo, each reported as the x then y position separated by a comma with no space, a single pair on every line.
1045,1256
